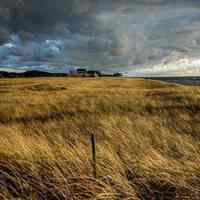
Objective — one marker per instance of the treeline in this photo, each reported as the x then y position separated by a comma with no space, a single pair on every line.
38,73
33,73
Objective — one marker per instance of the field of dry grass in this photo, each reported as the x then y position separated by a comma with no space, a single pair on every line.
147,132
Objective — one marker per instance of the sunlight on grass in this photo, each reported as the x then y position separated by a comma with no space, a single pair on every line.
148,142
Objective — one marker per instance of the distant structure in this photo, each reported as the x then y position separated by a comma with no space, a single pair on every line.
117,74
81,72
93,73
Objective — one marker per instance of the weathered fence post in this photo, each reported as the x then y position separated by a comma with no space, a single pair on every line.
93,142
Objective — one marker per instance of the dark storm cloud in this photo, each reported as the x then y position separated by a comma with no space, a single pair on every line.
128,34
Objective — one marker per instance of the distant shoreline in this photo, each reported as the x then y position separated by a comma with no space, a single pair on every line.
183,80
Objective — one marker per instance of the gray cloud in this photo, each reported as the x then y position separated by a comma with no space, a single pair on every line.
123,34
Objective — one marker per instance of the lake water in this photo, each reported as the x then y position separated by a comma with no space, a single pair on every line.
180,80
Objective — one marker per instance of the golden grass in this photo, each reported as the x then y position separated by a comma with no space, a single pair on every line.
148,139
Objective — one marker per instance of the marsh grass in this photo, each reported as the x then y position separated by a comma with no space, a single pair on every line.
148,139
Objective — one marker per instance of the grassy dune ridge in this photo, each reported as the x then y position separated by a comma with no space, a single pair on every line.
148,139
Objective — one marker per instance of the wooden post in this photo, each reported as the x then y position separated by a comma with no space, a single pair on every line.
93,142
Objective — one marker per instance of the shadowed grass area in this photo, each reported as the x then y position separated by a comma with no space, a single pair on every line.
148,139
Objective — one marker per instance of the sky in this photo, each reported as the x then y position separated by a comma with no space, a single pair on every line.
137,37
